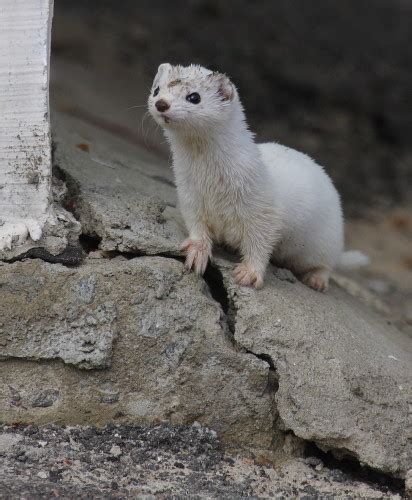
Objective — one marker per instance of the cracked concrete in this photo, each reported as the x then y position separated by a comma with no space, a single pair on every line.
344,375
70,327
171,358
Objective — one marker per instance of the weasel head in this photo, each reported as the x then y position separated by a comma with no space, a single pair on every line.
191,99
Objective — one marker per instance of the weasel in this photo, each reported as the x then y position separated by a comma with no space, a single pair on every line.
268,201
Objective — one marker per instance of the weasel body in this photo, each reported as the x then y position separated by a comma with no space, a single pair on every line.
265,200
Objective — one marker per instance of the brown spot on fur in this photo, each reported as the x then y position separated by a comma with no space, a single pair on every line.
174,83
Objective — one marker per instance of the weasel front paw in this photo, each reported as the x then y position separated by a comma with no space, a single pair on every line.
197,254
246,275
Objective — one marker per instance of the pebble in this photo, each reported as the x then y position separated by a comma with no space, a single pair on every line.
115,451
7,441
43,474
75,446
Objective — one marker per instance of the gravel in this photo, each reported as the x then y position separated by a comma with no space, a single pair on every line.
161,460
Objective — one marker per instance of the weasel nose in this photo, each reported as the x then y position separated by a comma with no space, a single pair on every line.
162,105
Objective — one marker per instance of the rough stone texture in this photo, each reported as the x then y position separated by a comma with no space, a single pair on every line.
124,461
120,193
174,359
157,326
344,375
51,313
8,441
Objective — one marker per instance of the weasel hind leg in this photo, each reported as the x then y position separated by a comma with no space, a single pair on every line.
318,279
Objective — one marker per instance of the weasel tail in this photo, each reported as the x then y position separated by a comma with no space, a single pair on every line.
353,259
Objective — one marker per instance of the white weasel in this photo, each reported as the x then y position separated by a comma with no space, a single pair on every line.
265,200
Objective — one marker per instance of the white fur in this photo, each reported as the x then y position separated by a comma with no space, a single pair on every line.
267,200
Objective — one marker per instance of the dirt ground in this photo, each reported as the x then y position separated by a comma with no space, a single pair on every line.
125,462
386,237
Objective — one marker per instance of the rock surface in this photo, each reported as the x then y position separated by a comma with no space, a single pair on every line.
154,324
344,375
171,357
49,312
120,193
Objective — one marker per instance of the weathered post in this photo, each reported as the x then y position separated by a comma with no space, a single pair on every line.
25,153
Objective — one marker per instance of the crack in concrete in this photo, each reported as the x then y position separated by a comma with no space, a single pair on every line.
215,282
347,461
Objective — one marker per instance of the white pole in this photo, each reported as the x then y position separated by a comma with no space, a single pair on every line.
25,156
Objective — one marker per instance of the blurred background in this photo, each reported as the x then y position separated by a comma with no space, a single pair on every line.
332,79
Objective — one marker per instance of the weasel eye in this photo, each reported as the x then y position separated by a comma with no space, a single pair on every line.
193,98
156,91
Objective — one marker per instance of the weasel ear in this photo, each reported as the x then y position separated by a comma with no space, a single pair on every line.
162,70
226,89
